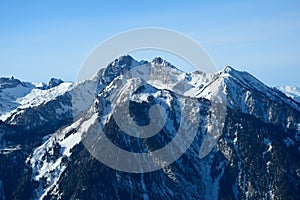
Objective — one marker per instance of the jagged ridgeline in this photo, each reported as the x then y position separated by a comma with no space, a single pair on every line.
43,156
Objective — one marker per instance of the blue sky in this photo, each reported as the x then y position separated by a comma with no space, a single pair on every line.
44,39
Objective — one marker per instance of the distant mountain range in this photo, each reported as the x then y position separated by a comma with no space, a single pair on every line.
43,156
291,91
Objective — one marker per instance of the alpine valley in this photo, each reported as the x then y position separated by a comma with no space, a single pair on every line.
43,156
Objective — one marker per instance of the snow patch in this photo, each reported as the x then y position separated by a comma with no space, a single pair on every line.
9,150
291,91
47,164
269,144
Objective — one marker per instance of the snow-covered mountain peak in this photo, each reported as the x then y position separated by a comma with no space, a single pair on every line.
228,69
119,66
12,83
157,60
161,61
196,84
54,82
251,134
122,62
291,91
12,89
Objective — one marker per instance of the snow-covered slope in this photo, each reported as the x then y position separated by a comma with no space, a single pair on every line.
35,97
47,170
10,90
291,91
254,155
14,93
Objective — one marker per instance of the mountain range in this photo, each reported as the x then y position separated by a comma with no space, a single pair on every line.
45,129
